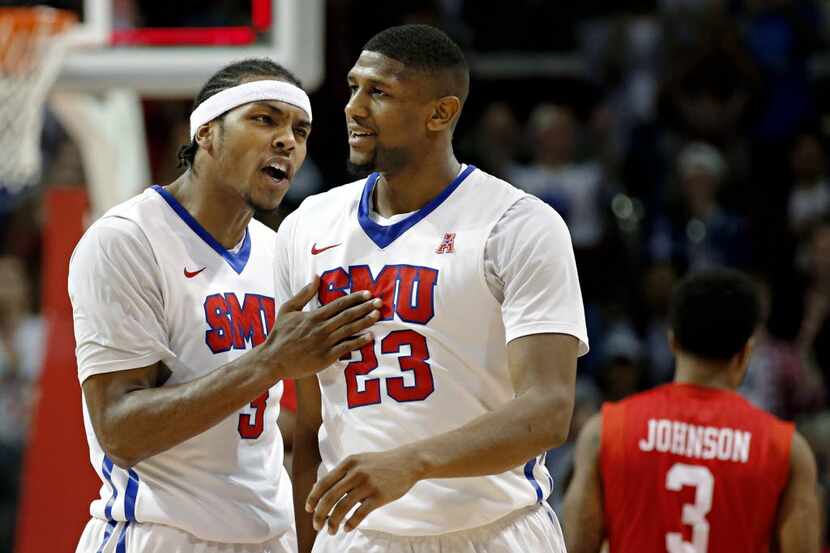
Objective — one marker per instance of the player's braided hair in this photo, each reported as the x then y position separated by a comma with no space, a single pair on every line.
228,77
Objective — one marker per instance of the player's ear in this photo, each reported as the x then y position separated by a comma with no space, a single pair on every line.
444,113
741,361
746,352
206,136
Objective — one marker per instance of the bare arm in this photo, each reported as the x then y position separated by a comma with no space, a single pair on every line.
306,457
798,513
134,417
583,523
543,371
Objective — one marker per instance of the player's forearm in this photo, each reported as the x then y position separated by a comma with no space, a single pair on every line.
799,529
493,443
584,523
798,513
147,421
303,476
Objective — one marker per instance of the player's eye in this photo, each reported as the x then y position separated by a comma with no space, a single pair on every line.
263,118
378,92
301,132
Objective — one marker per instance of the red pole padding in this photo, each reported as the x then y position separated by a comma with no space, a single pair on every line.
58,481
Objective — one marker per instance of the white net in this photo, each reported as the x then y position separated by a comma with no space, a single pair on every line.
32,46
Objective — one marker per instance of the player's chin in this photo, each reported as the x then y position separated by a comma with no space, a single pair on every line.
361,156
360,166
268,200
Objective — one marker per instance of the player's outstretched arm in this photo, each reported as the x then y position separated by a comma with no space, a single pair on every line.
306,457
134,417
543,370
798,513
583,523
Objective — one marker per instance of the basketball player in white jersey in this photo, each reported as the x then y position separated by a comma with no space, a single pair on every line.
432,437
172,292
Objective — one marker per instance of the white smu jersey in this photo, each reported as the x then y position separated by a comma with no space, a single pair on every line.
148,284
439,358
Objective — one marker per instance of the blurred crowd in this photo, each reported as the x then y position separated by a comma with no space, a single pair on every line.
671,135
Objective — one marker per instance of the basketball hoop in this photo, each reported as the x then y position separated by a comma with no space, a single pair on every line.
32,45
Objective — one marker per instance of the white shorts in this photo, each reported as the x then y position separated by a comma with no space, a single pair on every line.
531,530
131,537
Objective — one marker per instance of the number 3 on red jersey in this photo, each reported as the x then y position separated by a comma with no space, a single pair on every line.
694,515
415,362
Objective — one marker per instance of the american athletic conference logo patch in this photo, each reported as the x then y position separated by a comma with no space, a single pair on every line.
447,244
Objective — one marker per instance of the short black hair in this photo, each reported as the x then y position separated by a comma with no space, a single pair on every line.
714,313
426,49
228,77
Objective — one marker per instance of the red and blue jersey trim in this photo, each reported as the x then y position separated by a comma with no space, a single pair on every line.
130,496
385,235
237,261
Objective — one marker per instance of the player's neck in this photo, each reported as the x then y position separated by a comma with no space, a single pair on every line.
692,370
225,216
413,187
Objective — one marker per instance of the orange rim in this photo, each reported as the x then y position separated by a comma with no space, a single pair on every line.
22,28
39,18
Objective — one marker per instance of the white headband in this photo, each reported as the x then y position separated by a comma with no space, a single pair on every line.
253,91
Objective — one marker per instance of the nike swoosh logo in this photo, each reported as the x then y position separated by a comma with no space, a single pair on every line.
315,250
191,274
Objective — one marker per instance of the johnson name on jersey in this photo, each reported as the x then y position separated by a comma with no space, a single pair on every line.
691,468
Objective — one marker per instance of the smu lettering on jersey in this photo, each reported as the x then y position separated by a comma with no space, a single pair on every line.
177,296
439,357
690,468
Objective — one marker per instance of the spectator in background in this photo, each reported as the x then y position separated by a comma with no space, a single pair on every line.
560,461
810,196
780,36
307,182
493,145
814,334
576,189
711,83
21,338
622,373
21,335
698,232
779,378
571,187
657,284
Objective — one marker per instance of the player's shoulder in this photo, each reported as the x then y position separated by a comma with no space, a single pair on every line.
488,187
532,210
117,231
122,222
261,232
334,198
524,205
754,412
517,211
644,398
331,203
146,202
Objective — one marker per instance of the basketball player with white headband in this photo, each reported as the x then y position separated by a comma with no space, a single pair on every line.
180,353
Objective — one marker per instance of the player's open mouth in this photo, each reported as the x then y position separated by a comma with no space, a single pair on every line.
277,173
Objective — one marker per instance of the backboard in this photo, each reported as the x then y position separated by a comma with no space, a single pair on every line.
123,51
170,49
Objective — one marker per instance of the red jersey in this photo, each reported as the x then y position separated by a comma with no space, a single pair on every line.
691,469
